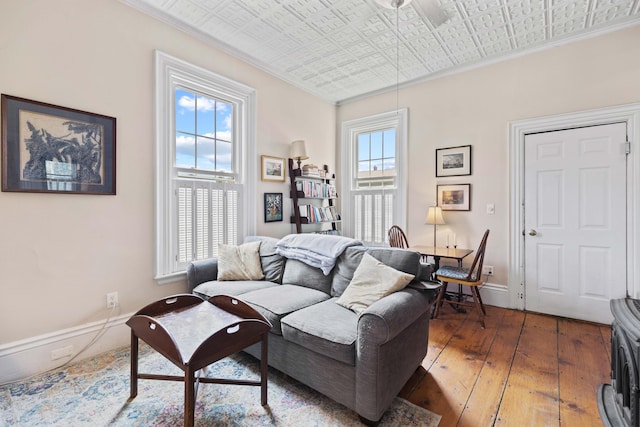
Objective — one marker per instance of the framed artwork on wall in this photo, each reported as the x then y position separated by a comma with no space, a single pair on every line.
273,168
272,207
453,161
51,149
454,197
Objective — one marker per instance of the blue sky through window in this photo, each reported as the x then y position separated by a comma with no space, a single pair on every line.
203,132
377,152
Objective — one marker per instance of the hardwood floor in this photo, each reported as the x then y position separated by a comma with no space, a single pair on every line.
524,369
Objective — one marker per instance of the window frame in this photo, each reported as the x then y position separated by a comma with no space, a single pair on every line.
397,119
171,73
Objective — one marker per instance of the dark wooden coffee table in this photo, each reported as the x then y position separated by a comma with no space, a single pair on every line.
193,333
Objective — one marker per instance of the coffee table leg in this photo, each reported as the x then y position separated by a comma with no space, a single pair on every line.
133,382
189,396
264,369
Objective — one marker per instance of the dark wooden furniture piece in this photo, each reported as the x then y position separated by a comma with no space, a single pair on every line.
397,238
193,333
619,402
471,277
320,194
437,252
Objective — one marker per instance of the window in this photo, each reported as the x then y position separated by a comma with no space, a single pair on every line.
374,189
204,128
376,154
204,134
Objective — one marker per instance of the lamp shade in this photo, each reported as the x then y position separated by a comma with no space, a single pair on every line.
298,150
434,216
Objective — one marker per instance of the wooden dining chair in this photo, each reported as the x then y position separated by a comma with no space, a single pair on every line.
397,238
471,277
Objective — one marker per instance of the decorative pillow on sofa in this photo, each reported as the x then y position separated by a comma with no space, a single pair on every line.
239,262
372,281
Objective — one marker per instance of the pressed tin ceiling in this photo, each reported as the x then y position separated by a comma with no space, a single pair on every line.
344,49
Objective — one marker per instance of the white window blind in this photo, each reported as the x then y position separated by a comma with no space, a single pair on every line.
373,210
207,216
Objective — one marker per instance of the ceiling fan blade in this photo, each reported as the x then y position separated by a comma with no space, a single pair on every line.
432,10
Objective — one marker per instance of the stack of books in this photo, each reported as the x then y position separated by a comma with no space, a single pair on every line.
310,170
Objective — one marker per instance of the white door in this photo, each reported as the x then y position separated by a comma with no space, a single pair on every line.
575,221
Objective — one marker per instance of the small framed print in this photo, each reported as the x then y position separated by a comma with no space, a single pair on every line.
453,161
272,207
273,168
454,197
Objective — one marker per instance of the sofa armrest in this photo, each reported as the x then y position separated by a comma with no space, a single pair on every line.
392,341
386,318
201,271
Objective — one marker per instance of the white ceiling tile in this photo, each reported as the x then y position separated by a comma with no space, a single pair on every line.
345,48
525,8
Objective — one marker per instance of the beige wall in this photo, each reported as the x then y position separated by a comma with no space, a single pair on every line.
475,107
60,254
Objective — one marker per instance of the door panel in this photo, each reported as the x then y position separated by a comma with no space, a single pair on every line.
575,221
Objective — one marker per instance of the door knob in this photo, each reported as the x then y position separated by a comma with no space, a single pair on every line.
532,232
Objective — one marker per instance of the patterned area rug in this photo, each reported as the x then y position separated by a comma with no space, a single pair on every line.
95,392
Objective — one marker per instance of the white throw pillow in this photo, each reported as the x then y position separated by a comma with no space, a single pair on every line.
239,262
372,281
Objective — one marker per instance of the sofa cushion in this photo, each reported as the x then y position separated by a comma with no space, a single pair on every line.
324,328
239,262
272,263
344,269
298,273
233,288
372,281
276,302
401,259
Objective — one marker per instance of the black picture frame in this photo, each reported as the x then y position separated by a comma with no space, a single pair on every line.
52,149
454,197
453,161
272,207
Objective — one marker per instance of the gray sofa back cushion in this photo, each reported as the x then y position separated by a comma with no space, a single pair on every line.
270,261
400,259
298,273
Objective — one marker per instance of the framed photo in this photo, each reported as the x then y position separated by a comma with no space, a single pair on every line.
272,207
453,161
52,149
273,168
454,197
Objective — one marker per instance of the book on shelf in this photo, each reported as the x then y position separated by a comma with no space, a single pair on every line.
315,189
318,213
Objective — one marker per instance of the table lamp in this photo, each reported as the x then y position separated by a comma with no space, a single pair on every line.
434,216
298,152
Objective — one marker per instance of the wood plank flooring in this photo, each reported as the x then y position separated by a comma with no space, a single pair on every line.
524,369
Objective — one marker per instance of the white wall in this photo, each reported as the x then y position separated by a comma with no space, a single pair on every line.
60,254
475,107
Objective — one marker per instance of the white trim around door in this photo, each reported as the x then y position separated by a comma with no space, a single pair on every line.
629,114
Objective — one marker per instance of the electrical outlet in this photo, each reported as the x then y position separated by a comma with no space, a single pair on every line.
59,353
112,299
488,270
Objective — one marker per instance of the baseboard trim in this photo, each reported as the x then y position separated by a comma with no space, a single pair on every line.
492,294
496,295
24,358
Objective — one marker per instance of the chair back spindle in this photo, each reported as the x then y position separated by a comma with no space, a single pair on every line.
397,238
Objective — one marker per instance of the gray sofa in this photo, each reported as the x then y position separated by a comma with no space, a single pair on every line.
361,361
